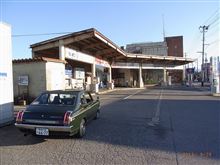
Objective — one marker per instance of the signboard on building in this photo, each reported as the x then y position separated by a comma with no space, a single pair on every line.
78,56
190,70
68,71
101,62
23,80
79,73
3,75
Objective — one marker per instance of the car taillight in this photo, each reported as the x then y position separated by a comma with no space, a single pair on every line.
19,116
67,119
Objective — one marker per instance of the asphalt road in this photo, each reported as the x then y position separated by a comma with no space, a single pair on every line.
172,125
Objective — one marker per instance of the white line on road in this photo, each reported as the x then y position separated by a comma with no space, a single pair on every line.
156,119
130,95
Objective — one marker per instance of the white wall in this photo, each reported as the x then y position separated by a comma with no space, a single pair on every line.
6,83
55,76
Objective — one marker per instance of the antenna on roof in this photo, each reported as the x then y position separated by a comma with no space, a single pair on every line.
163,27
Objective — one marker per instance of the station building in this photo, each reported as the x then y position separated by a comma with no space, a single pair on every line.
153,73
86,59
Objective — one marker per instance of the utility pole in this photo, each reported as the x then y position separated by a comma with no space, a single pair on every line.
203,30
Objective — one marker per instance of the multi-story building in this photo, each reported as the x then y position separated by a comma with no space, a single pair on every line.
148,48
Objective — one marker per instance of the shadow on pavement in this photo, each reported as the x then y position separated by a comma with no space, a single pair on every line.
11,136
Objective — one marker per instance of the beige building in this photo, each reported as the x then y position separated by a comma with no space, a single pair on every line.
32,76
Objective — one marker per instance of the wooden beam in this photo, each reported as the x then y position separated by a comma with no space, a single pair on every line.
77,38
46,46
92,45
66,41
104,51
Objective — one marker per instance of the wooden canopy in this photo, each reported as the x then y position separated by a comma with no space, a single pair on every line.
92,42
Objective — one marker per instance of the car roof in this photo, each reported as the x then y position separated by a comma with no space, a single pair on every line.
64,91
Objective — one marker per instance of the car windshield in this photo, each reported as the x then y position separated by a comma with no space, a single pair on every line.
56,99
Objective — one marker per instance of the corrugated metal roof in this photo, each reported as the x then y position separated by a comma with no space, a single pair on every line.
38,59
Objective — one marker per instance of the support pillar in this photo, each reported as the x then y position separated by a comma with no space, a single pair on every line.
93,72
141,84
94,85
184,73
110,74
164,76
33,54
110,82
61,50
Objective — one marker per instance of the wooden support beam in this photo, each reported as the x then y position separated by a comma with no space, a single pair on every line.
104,52
67,41
92,45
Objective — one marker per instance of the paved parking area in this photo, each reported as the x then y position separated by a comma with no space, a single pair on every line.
188,132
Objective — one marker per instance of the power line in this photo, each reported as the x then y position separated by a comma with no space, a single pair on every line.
42,34
214,26
198,35
213,33
216,12
214,41
211,44
214,21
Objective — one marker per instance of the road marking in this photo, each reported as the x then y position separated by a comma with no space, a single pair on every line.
156,119
130,95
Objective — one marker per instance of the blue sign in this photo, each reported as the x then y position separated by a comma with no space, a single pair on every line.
3,74
190,70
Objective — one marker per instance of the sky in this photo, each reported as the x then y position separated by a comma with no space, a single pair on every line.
122,21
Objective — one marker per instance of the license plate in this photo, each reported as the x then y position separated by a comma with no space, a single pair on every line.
42,131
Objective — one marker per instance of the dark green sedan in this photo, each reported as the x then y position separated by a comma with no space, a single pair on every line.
55,112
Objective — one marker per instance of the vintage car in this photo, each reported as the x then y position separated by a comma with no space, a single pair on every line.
55,112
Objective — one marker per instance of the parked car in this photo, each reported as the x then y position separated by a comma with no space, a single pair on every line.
55,112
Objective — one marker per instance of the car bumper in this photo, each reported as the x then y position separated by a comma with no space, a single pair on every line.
32,127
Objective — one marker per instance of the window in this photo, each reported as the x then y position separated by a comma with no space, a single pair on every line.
56,99
82,99
88,97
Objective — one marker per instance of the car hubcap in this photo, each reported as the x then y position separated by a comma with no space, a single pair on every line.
83,128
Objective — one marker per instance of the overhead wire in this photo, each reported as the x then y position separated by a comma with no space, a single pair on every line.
216,12
41,34
198,34
212,22
216,19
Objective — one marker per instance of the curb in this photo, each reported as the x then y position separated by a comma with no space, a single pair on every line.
119,89
216,94
107,91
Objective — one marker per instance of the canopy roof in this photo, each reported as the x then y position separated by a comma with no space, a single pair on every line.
92,42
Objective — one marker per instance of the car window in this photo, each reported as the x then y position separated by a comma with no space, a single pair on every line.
88,97
82,99
68,99
56,99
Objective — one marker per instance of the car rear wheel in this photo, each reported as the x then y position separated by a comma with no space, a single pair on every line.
97,116
82,129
